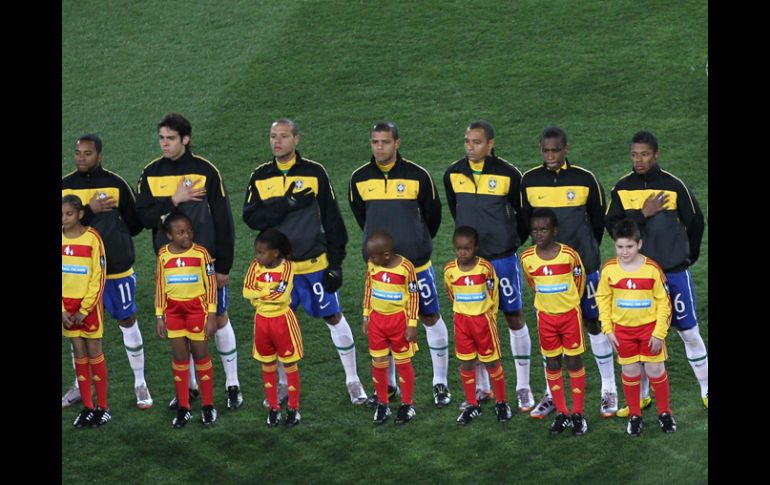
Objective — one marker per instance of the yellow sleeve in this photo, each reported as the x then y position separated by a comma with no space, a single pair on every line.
662,307
413,303
282,292
580,281
160,288
95,290
209,280
448,284
251,289
367,303
604,302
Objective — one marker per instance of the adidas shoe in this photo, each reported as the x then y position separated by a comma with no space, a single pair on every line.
481,396
667,423
357,393
71,397
543,408
209,415
234,397
609,405
469,414
84,418
143,398
441,395
283,395
644,403
503,411
526,400
561,423
100,418
292,417
393,393
174,404
635,425
579,424
405,413
381,413
274,417
183,415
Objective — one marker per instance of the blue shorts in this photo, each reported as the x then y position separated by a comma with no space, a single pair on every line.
222,299
426,282
588,302
119,297
508,271
682,295
308,290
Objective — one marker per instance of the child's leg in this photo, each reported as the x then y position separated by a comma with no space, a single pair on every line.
82,371
577,382
468,378
292,377
497,375
406,375
380,377
180,368
204,370
556,383
631,376
270,383
98,370
659,381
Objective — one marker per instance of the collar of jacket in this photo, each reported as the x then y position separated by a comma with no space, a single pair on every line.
561,169
188,154
465,165
398,163
299,161
654,172
96,171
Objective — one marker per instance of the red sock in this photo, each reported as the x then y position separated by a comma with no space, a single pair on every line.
292,379
577,381
205,372
660,388
270,380
99,375
469,385
497,374
556,384
83,373
380,379
406,379
181,371
632,391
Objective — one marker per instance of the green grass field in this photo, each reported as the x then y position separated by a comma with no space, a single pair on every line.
601,70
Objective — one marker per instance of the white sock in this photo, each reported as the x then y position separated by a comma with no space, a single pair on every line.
644,385
697,355
74,371
602,350
342,337
132,341
547,387
521,347
228,352
193,377
482,378
392,372
438,343
282,374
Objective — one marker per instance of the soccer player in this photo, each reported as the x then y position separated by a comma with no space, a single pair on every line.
472,286
277,337
110,208
482,192
390,321
635,312
294,195
555,273
183,181
398,196
577,199
186,309
672,226
82,285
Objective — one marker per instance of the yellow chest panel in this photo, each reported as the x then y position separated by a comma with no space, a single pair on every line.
166,186
378,189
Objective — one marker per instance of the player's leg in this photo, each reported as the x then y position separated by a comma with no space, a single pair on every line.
265,352
600,347
465,351
436,334
83,376
403,351
99,375
228,350
487,344
573,345
204,369
287,337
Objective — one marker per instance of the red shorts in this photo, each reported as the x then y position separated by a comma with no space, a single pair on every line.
277,337
91,327
561,334
386,333
476,336
186,319
634,344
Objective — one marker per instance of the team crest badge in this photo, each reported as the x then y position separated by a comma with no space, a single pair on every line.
101,195
102,261
490,284
188,182
570,195
492,183
412,287
210,269
576,271
298,184
400,188
281,287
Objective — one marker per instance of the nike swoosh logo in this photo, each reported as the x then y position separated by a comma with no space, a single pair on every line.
521,363
512,300
540,197
679,317
230,360
136,355
163,186
70,400
593,307
428,302
325,305
125,307
441,355
370,190
269,187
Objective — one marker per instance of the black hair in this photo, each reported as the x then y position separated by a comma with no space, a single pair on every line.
543,213
275,239
626,228
93,138
74,201
178,123
388,126
287,121
489,130
172,218
554,131
645,137
466,231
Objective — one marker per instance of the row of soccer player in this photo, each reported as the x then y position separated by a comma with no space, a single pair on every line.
293,194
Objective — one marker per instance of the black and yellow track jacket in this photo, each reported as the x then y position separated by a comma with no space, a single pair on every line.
406,205
316,232
212,218
493,207
672,237
117,226
577,198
